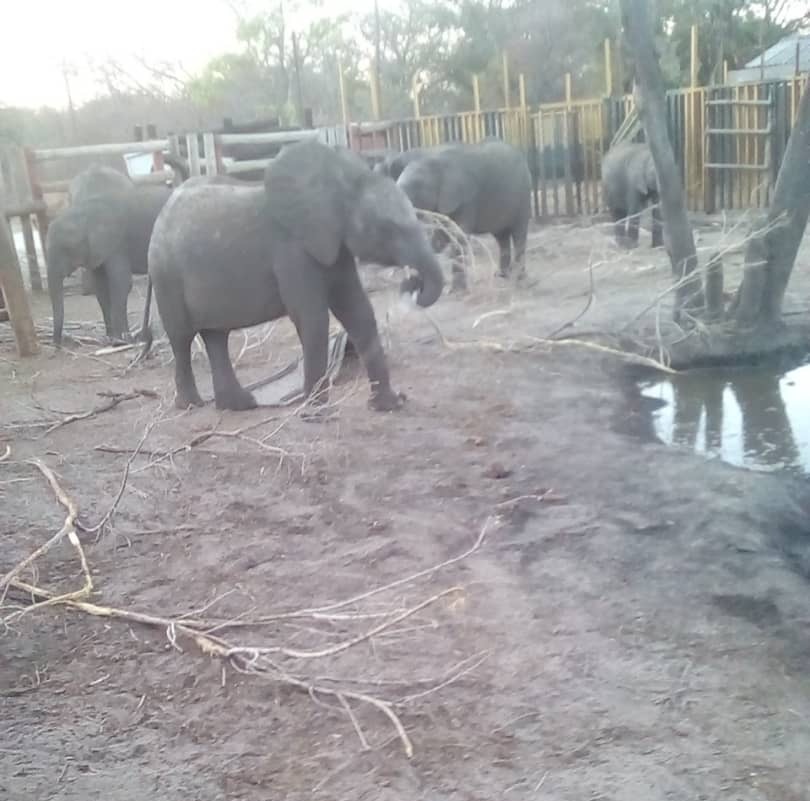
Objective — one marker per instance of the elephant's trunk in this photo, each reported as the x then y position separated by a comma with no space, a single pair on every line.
56,280
429,282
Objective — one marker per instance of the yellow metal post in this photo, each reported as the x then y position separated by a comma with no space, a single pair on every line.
568,88
476,95
608,69
415,93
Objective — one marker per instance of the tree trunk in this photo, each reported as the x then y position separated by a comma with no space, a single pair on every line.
771,251
651,102
11,284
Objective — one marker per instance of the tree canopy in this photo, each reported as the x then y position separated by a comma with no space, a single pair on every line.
440,45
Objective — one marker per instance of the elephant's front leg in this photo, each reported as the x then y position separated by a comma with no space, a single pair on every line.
119,280
350,304
619,217
633,219
657,224
302,285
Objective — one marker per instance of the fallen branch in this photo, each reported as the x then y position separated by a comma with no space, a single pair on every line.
68,530
114,399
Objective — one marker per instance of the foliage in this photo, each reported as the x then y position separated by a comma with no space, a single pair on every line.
440,45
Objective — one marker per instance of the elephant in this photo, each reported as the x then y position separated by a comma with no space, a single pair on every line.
484,188
224,256
105,229
393,164
629,183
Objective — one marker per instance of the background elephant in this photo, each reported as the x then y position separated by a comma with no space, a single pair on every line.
629,184
484,188
224,256
393,164
105,229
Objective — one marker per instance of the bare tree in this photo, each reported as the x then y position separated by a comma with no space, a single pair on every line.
752,324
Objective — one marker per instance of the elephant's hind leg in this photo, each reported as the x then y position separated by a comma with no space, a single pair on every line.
185,385
505,253
228,392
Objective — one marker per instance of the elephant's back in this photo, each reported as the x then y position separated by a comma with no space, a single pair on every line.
504,186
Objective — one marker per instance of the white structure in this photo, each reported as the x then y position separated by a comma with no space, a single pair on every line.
789,57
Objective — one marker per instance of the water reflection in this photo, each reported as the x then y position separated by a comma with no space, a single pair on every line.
751,418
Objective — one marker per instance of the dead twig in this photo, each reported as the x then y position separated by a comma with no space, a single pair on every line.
113,400
68,530
98,527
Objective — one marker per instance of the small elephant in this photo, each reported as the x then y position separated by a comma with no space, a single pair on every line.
629,183
105,229
484,188
393,165
224,256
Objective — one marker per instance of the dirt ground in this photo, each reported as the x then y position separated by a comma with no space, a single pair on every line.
642,631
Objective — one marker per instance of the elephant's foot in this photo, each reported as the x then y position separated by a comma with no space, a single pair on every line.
236,399
386,400
186,398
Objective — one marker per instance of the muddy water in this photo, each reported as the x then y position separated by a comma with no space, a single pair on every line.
753,418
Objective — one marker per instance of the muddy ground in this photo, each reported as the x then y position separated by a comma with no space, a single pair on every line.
641,631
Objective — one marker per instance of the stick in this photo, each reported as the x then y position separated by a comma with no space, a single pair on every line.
114,400
344,646
68,529
124,478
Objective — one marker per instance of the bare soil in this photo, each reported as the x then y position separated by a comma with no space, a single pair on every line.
645,628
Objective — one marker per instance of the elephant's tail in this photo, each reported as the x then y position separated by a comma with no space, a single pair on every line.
146,329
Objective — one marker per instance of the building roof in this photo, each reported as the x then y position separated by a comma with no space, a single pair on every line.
783,53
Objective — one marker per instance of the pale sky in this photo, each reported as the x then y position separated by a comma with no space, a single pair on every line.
38,35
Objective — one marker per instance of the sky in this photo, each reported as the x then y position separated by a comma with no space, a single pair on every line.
48,32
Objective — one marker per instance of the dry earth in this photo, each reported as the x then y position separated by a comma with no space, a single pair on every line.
642,632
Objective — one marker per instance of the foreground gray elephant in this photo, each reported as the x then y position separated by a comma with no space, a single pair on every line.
105,229
484,188
224,256
629,184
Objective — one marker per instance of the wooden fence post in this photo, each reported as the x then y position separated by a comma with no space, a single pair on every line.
344,101
608,68
12,287
507,100
415,88
694,64
375,92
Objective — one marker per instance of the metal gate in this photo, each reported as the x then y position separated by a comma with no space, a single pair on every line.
739,144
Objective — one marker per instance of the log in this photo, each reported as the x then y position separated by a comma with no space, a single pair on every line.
118,148
11,283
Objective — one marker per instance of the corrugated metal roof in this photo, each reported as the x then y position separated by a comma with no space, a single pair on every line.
784,52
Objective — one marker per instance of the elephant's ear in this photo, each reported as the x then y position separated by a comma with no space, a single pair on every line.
453,188
307,189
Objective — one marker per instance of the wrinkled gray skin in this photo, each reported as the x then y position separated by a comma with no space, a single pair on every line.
106,229
629,184
484,188
224,256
